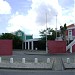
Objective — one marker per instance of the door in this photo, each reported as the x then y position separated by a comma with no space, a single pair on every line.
70,34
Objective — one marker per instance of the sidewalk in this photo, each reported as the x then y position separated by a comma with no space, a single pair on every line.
69,64
29,52
26,66
57,61
29,64
35,52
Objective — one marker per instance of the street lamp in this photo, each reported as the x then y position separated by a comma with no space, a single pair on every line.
56,27
46,35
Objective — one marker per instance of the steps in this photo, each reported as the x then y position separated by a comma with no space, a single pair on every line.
70,46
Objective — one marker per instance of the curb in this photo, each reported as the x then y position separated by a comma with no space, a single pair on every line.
27,66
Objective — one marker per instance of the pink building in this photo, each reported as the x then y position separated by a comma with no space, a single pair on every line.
60,46
70,32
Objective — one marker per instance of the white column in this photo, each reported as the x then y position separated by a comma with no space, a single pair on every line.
28,45
32,45
25,45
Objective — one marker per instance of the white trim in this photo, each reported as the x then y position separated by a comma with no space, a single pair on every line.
19,34
36,39
71,28
70,34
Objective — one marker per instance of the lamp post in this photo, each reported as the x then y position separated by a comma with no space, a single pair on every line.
46,34
56,27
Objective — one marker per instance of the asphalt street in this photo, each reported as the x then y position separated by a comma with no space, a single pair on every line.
35,72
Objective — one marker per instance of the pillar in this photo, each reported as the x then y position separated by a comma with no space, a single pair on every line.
32,45
28,45
25,45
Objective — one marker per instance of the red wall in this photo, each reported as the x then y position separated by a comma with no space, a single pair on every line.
73,48
66,32
73,32
56,47
5,47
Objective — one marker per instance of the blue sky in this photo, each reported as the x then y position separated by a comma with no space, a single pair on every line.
30,15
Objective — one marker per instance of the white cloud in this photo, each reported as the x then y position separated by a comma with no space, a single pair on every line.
35,20
41,7
68,14
4,7
67,17
18,21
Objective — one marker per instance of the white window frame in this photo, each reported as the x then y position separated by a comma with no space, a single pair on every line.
19,34
70,34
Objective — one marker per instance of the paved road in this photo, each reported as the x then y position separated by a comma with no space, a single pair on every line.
35,72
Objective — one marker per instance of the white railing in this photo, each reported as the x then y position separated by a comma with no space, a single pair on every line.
70,46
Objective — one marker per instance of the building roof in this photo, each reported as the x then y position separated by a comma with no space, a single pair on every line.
72,26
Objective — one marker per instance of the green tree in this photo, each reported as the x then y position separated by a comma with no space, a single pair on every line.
63,31
51,34
17,42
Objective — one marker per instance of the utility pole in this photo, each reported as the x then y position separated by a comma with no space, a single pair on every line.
46,35
56,27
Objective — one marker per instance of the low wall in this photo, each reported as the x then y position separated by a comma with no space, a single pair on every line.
5,47
56,47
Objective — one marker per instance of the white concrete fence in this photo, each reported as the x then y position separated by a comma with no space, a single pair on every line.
68,60
11,60
36,60
48,60
24,60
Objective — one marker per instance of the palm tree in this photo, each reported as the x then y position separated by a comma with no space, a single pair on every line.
63,31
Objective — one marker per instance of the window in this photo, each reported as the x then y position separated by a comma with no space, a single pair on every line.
70,33
19,34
